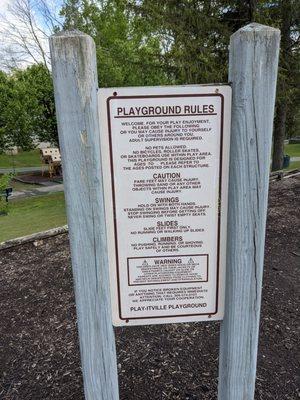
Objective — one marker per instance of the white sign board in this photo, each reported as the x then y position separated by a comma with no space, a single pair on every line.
165,154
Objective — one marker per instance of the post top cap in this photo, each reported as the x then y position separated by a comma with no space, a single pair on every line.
69,33
254,27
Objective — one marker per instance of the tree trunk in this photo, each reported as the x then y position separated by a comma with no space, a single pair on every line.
282,104
279,135
252,10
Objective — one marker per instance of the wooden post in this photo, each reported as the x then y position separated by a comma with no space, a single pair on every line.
252,70
75,85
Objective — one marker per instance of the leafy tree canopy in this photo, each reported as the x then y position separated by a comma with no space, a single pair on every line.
127,52
156,42
27,110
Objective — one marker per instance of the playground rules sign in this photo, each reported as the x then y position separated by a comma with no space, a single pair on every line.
165,154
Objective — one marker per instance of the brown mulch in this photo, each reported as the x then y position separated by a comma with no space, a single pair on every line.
37,178
39,355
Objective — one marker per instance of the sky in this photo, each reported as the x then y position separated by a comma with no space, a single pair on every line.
15,34
3,4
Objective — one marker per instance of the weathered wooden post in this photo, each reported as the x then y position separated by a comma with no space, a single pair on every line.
75,84
252,70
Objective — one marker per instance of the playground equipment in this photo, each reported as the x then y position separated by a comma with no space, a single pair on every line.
51,157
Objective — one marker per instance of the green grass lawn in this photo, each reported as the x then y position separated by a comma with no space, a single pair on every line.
20,186
33,214
32,158
292,150
293,165
22,159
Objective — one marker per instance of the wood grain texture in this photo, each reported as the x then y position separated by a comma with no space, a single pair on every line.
253,71
75,85
35,236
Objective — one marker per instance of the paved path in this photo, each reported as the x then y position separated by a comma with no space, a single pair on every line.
53,188
292,159
38,191
22,169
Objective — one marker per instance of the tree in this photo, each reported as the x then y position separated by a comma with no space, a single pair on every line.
4,98
194,39
25,30
283,14
127,52
149,42
27,109
288,90
197,34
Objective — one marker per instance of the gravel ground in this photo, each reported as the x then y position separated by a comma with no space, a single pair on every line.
39,355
